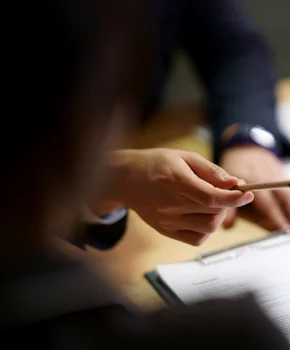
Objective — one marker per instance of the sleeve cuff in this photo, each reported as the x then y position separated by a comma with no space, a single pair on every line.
106,236
109,219
113,217
102,232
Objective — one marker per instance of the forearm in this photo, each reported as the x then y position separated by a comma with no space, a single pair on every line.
105,216
242,92
235,65
114,196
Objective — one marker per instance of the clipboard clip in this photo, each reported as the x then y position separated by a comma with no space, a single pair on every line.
276,239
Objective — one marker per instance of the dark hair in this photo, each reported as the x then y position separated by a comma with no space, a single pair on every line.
68,63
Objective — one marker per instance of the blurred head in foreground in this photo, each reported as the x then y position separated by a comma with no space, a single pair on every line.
75,78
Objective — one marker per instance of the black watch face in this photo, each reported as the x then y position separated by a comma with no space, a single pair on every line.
262,137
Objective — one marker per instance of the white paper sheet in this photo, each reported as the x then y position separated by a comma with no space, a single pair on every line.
262,268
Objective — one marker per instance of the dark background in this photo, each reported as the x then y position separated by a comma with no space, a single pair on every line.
273,19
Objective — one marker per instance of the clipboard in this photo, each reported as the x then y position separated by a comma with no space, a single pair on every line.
217,256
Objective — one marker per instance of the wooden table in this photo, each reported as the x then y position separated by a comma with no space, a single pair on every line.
143,248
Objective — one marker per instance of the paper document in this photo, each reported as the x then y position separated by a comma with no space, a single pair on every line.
262,268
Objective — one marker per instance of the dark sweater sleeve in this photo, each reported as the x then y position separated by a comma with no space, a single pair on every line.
234,64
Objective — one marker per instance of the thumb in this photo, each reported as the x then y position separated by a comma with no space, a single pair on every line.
209,171
231,214
230,218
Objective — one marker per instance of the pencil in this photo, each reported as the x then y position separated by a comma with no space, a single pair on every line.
263,186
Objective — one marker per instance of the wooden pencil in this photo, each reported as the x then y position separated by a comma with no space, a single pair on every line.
263,186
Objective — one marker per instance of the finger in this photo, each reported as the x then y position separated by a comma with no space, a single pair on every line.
209,171
268,205
250,213
231,214
187,206
206,194
270,226
183,205
198,190
283,196
230,218
201,223
190,237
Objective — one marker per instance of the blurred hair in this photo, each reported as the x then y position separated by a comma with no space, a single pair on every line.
68,63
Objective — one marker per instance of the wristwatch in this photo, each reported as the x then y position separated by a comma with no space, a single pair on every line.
247,134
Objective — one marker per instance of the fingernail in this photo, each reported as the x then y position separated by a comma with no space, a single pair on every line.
224,176
227,177
246,199
221,173
241,182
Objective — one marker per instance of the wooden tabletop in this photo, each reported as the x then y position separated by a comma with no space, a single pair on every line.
142,247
